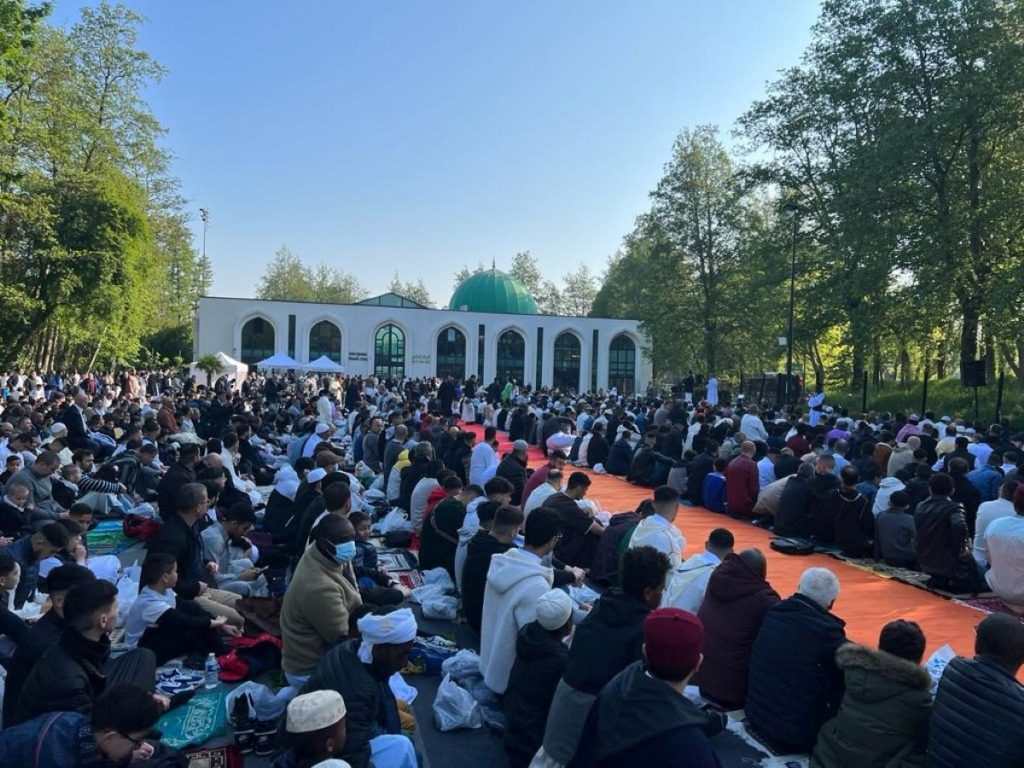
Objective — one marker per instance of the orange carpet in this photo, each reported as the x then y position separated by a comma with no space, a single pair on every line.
866,601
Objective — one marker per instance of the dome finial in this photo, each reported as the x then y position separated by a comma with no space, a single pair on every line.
494,264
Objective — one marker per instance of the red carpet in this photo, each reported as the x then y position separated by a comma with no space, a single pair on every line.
866,601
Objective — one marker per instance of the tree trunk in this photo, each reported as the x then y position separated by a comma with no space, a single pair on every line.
858,365
969,335
904,366
990,357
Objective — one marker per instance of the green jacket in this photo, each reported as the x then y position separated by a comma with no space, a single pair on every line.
883,718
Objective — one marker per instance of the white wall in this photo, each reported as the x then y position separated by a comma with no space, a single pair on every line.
219,329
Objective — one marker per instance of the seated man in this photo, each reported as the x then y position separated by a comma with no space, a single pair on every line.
515,581
541,657
29,551
791,695
943,550
738,598
659,530
895,533
989,512
607,641
11,625
1004,550
70,675
742,482
713,491
320,599
642,717
688,583
314,730
853,523
649,466
360,671
166,626
440,537
237,576
978,715
581,532
43,634
883,719
112,734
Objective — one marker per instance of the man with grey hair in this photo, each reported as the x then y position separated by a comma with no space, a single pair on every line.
902,455
36,476
794,685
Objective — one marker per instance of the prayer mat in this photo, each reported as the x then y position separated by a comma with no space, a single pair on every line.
991,605
201,719
219,757
906,575
957,596
107,538
409,579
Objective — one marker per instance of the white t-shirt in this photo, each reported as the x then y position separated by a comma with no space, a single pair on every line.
537,498
147,609
1005,547
988,513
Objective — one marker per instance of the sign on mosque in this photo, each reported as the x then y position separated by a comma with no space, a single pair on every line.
421,359
358,357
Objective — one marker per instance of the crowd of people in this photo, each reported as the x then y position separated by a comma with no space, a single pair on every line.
590,626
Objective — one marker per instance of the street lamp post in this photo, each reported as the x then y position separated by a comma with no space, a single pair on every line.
204,214
795,210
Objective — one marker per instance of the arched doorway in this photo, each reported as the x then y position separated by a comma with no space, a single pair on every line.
451,352
389,352
622,364
567,362
325,339
511,357
257,340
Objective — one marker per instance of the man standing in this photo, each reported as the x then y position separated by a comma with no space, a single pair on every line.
483,460
371,446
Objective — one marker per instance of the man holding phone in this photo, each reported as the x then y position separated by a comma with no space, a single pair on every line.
238,576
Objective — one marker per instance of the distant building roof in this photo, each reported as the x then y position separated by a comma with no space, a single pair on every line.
392,300
493,291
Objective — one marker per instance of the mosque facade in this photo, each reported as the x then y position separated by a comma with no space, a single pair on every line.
491,329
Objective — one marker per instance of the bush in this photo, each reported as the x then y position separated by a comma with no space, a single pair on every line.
945,397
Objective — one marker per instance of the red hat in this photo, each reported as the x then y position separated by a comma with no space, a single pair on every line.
673,640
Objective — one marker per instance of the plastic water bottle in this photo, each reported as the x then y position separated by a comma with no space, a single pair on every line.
212,668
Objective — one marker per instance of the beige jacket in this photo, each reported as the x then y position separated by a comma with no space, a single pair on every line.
315,610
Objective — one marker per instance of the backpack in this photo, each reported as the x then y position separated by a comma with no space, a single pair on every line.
793,545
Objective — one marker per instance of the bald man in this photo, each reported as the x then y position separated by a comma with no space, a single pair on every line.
742,482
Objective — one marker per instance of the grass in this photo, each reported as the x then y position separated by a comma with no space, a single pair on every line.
945,397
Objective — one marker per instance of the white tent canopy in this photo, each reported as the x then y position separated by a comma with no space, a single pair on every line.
231,367
323,364
280,360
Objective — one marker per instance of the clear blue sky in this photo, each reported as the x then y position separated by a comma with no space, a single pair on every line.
422,136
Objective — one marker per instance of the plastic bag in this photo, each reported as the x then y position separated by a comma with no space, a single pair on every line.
455,707
462,664
427,592
127,591
440,607
266,705
440,577
395,520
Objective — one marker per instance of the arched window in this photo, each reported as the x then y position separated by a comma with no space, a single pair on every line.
511,357
622,364
257,340
389,352
451,353
567,362
325,339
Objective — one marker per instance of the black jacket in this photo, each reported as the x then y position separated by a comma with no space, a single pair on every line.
474,575
540,661
279,511
167,489
640,721
66,679
792,518
820,500
14,522
794,685
702,465
978,717
619,457
606,642
513,470
41,637
854,523
411,475
597,450
941,535
341,670
185,543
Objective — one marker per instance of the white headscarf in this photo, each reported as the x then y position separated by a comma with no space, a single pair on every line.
393,628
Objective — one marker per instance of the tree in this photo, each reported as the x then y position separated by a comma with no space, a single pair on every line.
576,298
464,274
211,366
414,291
287,278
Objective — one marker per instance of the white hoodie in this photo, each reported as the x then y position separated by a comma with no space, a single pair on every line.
515,581
886,488
655,531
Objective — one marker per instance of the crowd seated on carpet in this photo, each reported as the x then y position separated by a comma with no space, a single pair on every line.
277,506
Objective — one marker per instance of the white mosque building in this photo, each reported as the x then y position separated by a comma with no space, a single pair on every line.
491,329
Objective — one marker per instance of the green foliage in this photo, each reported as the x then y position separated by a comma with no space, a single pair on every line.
945,396
415,291
168,346
211,366
287,278
94,246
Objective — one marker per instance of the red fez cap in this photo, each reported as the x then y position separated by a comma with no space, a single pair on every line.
673,640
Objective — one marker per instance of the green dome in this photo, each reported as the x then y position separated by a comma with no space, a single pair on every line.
493,291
